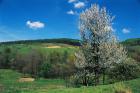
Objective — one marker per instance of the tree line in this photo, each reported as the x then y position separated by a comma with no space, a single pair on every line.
37,64
73,42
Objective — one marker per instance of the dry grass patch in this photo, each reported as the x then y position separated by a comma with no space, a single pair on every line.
1,88
26,79
53,47
121,88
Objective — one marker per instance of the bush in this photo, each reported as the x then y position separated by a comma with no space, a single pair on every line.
80,79
74,81
45,69
124,71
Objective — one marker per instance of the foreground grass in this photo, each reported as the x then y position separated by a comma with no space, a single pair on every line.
9,84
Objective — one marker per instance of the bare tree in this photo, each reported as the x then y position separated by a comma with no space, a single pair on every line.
100,47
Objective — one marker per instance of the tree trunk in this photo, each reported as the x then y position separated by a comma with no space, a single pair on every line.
97,76
85,79
103,76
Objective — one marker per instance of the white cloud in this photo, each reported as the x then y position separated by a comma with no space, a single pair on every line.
71,1
125,30
35,25
71,12
79,5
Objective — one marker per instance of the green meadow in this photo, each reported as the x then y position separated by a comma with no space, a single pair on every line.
9,84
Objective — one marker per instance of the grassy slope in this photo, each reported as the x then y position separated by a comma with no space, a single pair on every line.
42,47
9,81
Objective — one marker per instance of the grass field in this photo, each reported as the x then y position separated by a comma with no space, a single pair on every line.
9,84
42,47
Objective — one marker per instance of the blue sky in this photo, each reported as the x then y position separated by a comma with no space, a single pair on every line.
40,19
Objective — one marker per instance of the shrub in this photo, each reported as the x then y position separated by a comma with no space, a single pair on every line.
73,81
79,79
124,71
45,69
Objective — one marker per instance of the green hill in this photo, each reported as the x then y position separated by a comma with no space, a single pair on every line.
132,42
133,48
132,45
128,42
